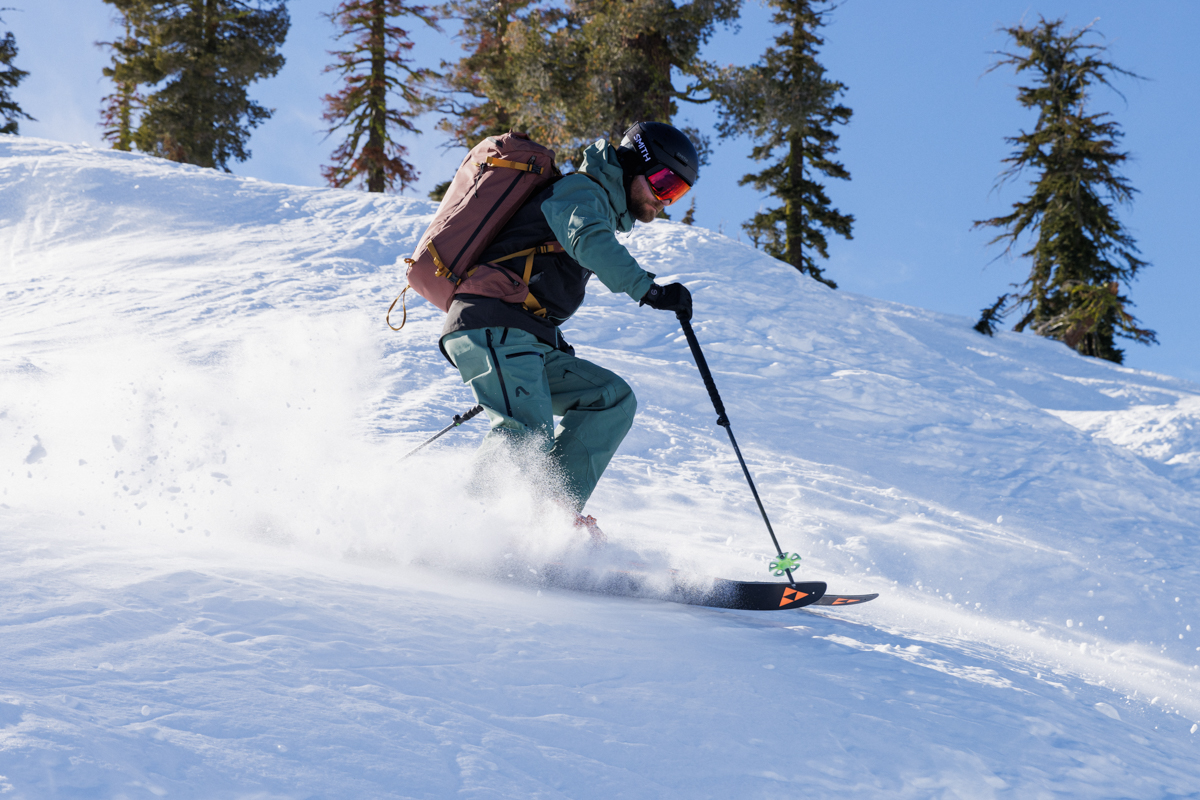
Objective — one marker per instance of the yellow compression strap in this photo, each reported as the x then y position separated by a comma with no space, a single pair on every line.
530,301
442,270
541,249
500,162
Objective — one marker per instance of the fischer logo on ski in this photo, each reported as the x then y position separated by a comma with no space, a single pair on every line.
791,595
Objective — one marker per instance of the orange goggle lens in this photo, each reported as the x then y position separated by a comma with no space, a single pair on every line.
667,186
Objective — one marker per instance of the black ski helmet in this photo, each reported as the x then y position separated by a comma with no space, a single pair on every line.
650,146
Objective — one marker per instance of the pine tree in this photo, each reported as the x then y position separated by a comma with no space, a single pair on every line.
568,74
788,104
478,85
545,86
634,46
201,55
10,77
689,217
371,70
118,108
1081,254
524,70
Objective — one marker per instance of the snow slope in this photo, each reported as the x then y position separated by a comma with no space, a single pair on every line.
218,578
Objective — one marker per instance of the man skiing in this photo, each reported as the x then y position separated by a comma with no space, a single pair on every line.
517,363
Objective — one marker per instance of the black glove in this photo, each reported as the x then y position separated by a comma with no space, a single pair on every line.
672,297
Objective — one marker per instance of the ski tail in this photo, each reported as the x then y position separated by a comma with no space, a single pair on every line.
844,599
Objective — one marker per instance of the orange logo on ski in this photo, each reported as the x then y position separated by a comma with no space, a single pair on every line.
843,601
791,596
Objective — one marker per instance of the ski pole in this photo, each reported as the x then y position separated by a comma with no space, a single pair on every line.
459,419
723,421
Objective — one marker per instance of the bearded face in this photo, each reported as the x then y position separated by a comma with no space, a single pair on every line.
643,205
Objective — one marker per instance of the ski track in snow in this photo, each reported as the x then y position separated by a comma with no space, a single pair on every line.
218,579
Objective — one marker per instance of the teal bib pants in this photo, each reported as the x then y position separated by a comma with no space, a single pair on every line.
524,383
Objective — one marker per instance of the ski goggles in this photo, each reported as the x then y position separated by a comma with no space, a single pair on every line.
667,186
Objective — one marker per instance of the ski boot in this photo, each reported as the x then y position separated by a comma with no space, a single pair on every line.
588,522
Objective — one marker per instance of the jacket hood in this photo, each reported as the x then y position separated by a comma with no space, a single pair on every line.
600,163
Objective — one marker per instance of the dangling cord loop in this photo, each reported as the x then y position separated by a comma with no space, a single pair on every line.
403,307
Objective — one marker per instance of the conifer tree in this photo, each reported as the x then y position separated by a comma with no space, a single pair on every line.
10,77
201,56
524,70
475,90
689,217
374,69
789,106
118,108
633,47
478,86
572,72
544,84
1081,254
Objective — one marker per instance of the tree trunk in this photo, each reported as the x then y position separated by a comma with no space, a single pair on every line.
125,91
201,147
501,60
373,152
794,204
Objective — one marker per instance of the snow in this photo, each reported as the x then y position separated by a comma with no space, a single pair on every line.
219,579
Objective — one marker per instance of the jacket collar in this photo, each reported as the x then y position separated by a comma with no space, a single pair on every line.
601,164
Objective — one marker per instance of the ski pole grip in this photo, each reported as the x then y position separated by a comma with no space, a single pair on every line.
459,419
702,365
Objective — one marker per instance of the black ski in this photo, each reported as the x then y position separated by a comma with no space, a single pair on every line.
753,595
678,588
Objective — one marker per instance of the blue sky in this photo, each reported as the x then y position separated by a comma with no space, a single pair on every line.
924,147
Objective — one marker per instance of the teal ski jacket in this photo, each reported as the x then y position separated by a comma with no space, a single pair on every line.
586,221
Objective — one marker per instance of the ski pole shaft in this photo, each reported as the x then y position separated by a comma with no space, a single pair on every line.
459,419
706,375
723,421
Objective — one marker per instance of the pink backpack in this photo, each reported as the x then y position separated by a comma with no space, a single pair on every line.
495,179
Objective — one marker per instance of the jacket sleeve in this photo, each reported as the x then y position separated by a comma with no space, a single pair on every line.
580,217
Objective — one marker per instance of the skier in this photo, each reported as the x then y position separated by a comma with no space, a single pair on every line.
517,363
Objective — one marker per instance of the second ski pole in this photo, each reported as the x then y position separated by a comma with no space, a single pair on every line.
723,421
459,419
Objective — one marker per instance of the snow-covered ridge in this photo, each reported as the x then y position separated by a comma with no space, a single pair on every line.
201,421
